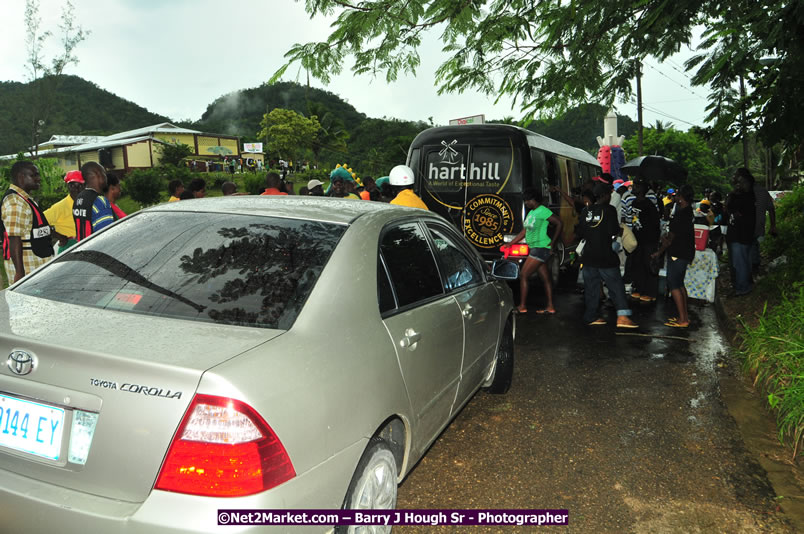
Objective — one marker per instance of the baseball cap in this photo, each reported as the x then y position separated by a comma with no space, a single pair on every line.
74,176
629,183
671,191
314,183
618,183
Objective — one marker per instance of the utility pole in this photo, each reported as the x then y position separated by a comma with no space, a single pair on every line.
639,105
742,122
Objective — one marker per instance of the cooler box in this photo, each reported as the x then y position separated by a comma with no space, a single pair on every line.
701,236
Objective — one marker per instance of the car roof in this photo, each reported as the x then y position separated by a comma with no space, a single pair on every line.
323,209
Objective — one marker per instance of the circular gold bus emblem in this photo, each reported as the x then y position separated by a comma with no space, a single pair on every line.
486,219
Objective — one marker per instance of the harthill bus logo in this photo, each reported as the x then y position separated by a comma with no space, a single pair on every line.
486,219
21,362
453,167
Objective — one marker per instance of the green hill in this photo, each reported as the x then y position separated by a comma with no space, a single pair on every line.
240,112
373,145
79,108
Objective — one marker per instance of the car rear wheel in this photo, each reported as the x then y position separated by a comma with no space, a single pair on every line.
373,486
504,367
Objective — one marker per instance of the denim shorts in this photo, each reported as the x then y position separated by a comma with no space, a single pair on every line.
676,271
541,254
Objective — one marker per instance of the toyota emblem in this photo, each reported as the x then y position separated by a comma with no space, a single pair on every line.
21,362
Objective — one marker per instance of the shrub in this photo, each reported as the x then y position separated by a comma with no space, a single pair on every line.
47,200
303,177
172,172
145,186
52,177
52,188
174,153
254,184
789,240
773,353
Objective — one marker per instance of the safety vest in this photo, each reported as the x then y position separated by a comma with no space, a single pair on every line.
39,241
82,213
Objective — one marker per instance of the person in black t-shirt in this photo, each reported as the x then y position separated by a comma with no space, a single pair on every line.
679,243
645,221
741,213
599,226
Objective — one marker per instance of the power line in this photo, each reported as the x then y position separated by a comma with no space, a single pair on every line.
660,112
676,100
675,66
674,81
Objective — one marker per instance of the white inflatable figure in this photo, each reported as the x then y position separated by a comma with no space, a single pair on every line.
610,137
611,156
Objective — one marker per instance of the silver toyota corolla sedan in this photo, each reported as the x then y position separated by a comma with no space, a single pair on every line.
239,353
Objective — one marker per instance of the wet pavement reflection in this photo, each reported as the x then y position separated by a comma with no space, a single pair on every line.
624,428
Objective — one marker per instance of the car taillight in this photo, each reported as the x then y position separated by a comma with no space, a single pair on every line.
520,250
223,448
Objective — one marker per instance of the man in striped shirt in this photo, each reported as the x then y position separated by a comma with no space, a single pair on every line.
91,209
27,242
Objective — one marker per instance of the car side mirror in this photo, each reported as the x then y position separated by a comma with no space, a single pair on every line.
505,270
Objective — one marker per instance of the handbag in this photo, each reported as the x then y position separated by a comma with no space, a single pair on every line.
655,264
579,247
629,239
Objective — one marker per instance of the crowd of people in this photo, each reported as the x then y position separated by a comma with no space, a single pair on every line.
630,231
29,233
90,205
396,188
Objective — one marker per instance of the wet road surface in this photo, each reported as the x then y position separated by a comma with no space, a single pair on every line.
629,433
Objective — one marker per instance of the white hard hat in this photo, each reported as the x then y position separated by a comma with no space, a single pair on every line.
401,175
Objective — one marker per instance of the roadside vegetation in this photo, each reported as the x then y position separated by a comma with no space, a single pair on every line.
772,348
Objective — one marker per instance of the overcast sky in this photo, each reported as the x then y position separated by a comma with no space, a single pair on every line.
174,57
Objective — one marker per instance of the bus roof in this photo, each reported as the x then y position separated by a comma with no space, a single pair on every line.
499,130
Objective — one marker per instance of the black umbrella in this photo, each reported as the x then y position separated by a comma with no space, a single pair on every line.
656,168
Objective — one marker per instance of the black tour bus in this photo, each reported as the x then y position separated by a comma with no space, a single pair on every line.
474,176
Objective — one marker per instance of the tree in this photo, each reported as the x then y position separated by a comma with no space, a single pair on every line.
689,150
332,135
45,79
551,55
145,186
760,45
287,132
174,153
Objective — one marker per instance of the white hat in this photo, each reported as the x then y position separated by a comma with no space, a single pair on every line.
401,175
314,183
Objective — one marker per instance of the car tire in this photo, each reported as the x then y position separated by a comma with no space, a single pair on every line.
504,367
373,486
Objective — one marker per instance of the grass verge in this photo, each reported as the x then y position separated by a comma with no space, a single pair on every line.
773,353
772,333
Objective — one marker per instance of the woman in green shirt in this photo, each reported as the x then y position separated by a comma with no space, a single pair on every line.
534,231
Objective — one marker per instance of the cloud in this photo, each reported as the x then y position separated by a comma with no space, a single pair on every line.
176,57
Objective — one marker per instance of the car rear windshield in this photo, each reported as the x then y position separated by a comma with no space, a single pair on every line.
230,269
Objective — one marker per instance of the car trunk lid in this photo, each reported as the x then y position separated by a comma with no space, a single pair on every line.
66,363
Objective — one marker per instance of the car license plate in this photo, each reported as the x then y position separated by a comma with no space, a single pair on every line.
31,427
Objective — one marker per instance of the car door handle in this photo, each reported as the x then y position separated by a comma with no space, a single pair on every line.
410,338
467,311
